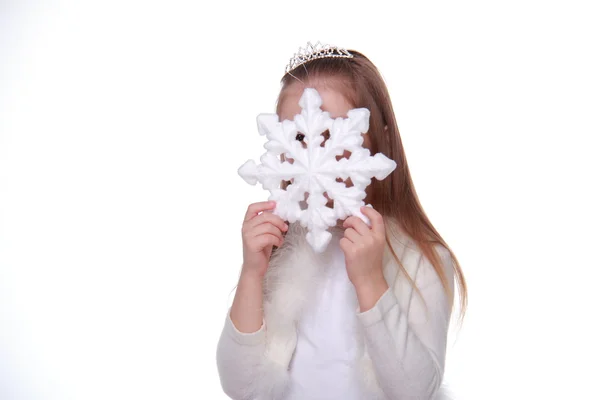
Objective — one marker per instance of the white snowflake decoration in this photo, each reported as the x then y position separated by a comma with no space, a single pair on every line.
314,167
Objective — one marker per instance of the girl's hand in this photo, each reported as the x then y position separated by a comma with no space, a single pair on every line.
261,231
363,248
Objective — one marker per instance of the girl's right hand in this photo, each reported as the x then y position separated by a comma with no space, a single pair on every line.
261,231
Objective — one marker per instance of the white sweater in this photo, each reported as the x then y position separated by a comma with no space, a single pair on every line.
400,347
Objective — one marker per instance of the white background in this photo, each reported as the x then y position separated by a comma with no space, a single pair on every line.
123,123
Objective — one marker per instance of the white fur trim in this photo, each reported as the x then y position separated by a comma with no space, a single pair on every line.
271,381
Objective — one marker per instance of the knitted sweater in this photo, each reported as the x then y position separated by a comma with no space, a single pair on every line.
401,341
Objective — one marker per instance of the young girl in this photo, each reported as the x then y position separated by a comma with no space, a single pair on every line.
365,319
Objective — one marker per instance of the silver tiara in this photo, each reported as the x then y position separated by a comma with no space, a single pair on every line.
312,52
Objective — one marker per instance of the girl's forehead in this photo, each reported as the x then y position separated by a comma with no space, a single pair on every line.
334,101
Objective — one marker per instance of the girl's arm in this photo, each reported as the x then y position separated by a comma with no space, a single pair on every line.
242,342
407,343
247,310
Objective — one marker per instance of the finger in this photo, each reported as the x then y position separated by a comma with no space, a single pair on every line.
267,240
268,216
255,208
375,217
265,228
345,245
358,224
352,235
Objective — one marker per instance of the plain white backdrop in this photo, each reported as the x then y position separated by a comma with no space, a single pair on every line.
123,123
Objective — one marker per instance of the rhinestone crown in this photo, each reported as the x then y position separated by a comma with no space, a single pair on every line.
311,52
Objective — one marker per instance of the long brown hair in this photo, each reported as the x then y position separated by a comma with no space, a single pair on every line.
394,197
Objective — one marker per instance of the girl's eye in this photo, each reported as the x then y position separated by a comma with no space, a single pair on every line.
300,137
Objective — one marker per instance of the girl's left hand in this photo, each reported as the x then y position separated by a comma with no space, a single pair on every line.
363,248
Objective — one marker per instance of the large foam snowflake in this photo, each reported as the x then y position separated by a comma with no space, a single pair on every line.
314,165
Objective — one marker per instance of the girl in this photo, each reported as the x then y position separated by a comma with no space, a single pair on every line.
368,317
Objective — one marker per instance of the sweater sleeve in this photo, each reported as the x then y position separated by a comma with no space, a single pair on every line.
238,355
407,342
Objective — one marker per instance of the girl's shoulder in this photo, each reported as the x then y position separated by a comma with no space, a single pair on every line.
410,254
398,237
402,240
